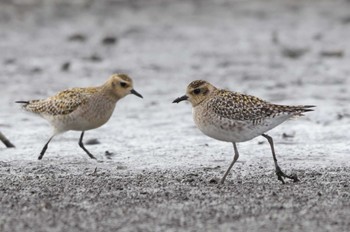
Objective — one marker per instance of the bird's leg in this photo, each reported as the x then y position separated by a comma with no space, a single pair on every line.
82,146
235,158
279,172
45,148
5,141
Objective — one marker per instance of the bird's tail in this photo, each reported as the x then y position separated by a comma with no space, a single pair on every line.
300,110
306,108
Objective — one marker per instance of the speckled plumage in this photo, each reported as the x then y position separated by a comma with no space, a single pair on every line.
82,109
244,107
235,117
63,103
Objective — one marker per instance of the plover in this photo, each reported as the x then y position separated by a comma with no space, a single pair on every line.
235,117
81,109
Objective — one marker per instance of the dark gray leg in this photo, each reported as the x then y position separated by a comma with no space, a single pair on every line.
6,141
235,158
44,149
82,146
279,172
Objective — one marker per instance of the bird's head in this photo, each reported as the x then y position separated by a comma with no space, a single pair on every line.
197,91
121,85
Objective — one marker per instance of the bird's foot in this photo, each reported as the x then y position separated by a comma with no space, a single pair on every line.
92,157
214,180
281,174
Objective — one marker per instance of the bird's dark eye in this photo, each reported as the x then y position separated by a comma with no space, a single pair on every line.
196,91
123,84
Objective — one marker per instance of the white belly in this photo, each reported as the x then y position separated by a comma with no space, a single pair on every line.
233,130
82,119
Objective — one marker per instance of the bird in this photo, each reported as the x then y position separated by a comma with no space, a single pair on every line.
235,117
81,109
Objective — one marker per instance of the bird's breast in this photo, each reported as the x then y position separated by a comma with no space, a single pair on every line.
230,130
91,115
97,113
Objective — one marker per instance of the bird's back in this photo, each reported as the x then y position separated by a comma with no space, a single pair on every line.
237,106
63,103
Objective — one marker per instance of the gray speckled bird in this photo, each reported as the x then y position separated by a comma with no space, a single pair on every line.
81,109
235,117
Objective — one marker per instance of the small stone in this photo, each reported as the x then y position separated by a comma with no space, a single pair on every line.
65,66
109,155
109,40
293,53
77,37
94,58
332,53
92,142
285,135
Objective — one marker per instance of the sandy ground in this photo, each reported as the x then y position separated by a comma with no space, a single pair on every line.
158,171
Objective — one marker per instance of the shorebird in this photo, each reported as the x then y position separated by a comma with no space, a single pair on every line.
235,117
81,109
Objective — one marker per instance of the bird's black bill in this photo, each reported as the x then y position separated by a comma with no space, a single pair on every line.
183,98
136,93
23,102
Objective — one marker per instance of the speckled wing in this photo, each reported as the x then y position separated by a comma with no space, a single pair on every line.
63,103
243,107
